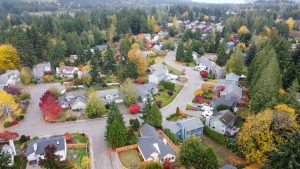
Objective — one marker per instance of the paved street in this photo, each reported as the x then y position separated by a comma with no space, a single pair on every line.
102,157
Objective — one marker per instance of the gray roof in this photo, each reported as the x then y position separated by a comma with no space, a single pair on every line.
190,124
145,90
7,149
4,77
147,141
101,47
228,101
113,92
160,69
173,126
74,94
224,83
224,116
39,69
58,141
232,77
233,90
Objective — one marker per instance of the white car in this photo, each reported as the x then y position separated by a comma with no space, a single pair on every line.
204,107
207,113
200,68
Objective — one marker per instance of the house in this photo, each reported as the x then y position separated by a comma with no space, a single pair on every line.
160,72
157,47
147,37
211,66
162,34
101,48
221,121
67,71
10,150
73,58
153,146
9,78
186,128
233,77
227,166
36,149
146,91
74,100
110,95
40,69
232,90
227,101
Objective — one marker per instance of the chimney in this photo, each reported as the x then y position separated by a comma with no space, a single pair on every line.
57,142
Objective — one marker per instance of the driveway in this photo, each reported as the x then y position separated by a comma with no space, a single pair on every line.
102,157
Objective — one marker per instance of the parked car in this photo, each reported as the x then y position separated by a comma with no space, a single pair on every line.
204,107
207,113
200,68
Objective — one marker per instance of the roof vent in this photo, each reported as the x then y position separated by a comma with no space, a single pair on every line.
165,141
57,142
34,147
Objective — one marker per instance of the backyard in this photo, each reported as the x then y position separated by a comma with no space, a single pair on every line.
130,158
76,155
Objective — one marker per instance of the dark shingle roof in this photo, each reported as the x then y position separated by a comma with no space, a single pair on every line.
58,141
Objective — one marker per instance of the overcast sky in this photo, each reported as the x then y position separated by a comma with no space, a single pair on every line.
220,1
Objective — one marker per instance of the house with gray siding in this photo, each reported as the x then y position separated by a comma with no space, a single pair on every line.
221,121
186,128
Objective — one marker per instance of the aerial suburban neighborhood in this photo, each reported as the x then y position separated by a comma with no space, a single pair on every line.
149,84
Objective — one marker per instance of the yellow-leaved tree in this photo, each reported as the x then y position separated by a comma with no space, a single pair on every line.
8,106
9,58
174,25
243,30
26,76
137,57
206,18
263,132
290,22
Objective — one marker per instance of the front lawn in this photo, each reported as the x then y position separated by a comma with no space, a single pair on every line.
76,155
165,98
173,70
130,158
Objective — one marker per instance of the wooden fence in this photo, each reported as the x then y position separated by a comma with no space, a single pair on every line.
125,148
77,145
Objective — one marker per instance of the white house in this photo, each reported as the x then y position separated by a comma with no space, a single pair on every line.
9,78
153,146
221,121
36,149
110,95
40,69
160,73
67,71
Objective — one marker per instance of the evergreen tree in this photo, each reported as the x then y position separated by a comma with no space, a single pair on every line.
287,156
116,136
265,92
125,47
72,42
221,55
189,55
57,53
113,114
152,115
251,54
235,64
290,97
180,55
95,71
109,61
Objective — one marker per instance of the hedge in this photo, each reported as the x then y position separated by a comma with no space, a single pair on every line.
171,136
221,139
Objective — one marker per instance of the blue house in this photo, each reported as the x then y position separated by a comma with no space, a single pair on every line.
233,77
186,127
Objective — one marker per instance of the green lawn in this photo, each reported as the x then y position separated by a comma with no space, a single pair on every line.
130,158
165,98
173,70
191,64
76,154
80,138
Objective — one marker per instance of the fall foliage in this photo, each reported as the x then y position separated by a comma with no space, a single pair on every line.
243,30
8,104
8,135
137,57
290,22
49,106
9,58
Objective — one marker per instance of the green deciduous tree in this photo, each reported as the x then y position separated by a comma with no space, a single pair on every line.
193,154
95,106
235,64
129,91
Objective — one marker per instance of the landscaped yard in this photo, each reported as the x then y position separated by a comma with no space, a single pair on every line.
225,156
130,158
165,98
79,138
173,70
76,155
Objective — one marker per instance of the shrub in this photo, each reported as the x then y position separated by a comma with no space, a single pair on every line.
171,136
140,80
188,107
47,78
24,96
134,108
221,139
207,87
170,93
135,124
12,90
20,117
159,103
55,91
132,137
14,122
198,92
24,139
7,124
167,85
204,74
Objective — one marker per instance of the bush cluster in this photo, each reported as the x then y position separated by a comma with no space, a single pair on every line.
221,139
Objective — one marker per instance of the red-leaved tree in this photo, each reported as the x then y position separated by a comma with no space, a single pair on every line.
204,74
49,106
8,135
